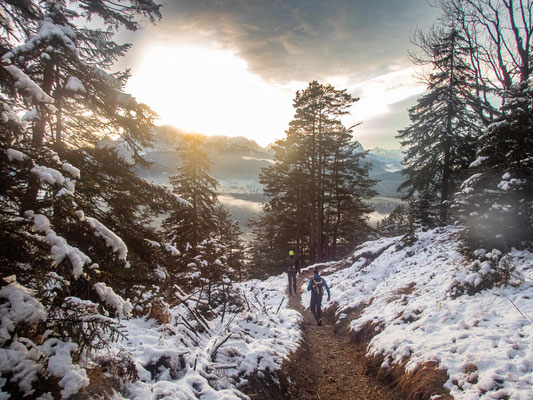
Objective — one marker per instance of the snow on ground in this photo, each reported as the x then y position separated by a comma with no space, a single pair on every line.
484,340
176,363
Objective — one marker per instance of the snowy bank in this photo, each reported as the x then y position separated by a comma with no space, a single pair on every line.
183,360
416,302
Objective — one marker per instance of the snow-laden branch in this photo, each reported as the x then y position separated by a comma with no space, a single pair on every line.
20,306
122,307
111,239
60,249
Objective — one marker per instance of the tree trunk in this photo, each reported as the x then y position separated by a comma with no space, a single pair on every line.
446,168
320,193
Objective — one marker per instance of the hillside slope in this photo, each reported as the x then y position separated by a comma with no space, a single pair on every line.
412,307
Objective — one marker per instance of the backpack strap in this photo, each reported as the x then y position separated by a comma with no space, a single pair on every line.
318,285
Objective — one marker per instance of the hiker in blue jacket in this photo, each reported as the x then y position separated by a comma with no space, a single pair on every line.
316,286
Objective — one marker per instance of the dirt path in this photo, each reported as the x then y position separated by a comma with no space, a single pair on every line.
327,365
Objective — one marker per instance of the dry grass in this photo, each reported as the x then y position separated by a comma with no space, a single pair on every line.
424,383
101,386
399,293
342,327
363,336
159,312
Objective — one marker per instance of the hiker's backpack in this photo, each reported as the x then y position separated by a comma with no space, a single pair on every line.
292,266
318,286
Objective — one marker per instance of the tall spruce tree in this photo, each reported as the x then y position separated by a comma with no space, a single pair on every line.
318,182
66,192
440,142
188,226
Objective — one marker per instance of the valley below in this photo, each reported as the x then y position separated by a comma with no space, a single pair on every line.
236,164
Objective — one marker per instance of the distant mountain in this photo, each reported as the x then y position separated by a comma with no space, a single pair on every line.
235,160
237,163
391,154
387,167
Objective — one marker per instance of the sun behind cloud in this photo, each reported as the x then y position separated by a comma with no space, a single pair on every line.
211,91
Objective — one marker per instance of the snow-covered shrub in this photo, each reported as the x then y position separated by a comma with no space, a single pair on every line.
486,270
496,202
32,355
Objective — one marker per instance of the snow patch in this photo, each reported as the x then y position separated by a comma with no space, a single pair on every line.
483,341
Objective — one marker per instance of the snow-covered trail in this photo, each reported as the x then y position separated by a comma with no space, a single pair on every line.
327,365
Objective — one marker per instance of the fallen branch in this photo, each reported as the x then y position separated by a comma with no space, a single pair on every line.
246,300
195,313
216,346
231,320
224,366
282,300
515,306
263,307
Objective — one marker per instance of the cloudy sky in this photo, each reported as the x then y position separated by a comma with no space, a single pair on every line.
232,67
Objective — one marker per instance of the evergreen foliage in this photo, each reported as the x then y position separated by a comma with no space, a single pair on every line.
496,202
440,142
396,223
317,184
74,217
211,252
187,226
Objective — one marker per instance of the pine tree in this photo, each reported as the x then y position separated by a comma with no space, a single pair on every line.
440,140
285,224
496,202
347,186
317,184
55,103
317,116
188,226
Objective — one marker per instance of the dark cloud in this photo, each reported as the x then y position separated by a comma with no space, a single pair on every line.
301,39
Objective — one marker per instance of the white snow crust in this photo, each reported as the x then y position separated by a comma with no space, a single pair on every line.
13,154
122,307
120,149
255,340
20,306
75,85
111,239
483,341
28,87
60,249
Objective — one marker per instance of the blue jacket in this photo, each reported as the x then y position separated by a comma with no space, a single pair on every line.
310,286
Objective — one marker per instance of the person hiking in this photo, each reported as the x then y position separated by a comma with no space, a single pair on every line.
292,267
316,286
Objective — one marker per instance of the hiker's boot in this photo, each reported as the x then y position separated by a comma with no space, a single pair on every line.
320,322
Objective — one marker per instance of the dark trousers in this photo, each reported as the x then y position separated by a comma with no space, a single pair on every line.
292,283
316,306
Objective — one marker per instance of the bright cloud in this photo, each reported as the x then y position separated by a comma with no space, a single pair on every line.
211,91
377,94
